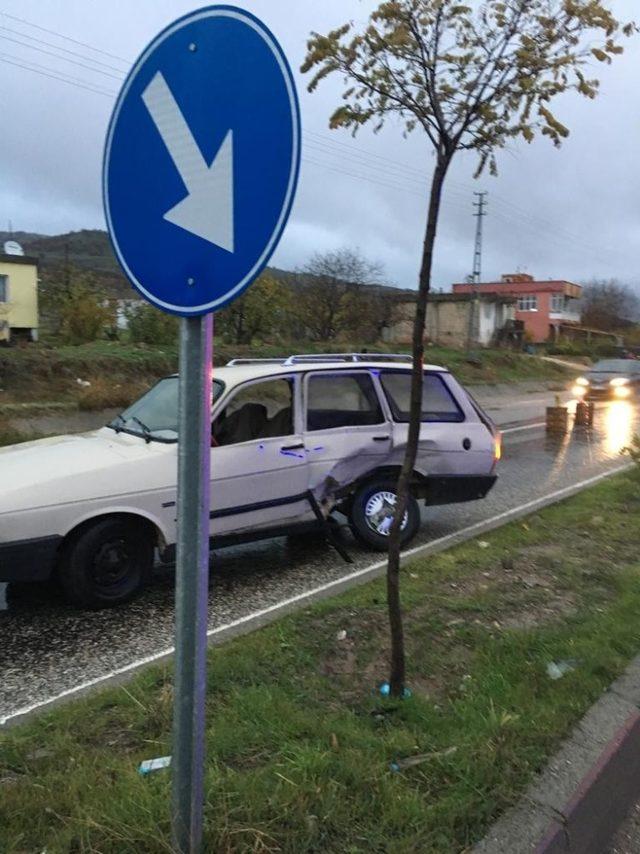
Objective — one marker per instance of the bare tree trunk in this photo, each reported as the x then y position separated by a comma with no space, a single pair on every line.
397,675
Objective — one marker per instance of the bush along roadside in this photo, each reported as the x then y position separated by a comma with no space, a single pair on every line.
510,639
118,372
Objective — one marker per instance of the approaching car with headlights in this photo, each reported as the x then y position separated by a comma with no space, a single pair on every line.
610,379
292,441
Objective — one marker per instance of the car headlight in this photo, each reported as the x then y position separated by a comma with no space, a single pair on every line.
621,391
619,381
582,381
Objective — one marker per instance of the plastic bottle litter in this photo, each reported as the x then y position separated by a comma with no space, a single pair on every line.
385,690
557,669
410,761
150,765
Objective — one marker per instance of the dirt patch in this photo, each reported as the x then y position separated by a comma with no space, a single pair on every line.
518,590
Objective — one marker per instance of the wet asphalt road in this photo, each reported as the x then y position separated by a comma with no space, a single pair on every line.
46,647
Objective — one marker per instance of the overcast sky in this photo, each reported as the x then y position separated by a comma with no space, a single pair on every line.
572,214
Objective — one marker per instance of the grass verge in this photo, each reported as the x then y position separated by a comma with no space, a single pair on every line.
299,740
118,372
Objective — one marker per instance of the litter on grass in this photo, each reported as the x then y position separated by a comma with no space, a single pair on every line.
150,765
385,690
557,669
410,761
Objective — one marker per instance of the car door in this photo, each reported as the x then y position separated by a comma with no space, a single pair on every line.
347,431
259,475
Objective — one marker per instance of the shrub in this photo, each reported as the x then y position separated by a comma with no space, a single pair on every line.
84,317
149,325
106,394
634,450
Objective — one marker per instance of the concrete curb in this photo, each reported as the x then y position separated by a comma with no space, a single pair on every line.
579,800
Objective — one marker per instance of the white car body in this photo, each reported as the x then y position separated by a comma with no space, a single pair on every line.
261,486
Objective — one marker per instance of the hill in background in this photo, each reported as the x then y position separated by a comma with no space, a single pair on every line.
90,250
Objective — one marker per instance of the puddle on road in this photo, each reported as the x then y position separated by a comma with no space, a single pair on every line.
3,597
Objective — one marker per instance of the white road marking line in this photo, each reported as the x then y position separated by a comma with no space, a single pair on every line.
463,533
525,427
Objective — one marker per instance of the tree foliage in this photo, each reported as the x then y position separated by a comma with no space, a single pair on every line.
335,297
148,325
75,307
470,78
261,312
609,305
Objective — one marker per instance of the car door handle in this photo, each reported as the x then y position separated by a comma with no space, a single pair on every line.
382,438
292,447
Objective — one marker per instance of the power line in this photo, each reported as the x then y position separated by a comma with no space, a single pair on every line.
353,150
19,63
66,38
62,58
390,170
61,49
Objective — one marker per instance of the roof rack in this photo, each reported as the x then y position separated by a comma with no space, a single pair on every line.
274,361
325,357
349,357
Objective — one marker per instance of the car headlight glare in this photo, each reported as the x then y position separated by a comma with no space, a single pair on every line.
622,391
583,381
619,381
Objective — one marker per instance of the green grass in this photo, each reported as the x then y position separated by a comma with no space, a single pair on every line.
299,741
9,435
119,372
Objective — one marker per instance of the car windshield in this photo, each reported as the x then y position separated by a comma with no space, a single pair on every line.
616,366
155,415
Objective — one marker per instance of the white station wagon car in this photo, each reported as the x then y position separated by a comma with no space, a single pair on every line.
292,441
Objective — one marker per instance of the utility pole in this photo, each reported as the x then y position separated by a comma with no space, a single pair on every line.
480,213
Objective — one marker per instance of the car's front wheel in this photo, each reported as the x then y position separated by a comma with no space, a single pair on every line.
372,513
106,563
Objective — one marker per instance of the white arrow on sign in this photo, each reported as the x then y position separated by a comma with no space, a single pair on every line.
207,209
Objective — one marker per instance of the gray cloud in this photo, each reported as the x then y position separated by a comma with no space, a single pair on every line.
568,214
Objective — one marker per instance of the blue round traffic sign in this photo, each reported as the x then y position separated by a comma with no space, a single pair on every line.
201,160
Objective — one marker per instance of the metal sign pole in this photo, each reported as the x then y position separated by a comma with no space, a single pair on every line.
192,581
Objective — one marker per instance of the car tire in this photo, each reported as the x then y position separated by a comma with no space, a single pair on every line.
106,564
366,521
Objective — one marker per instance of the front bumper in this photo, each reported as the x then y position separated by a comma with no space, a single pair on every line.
28,560
454,489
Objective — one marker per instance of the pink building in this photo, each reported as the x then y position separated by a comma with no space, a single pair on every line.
545,307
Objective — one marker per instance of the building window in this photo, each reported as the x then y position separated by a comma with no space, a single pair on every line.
528,303
557,302
4,289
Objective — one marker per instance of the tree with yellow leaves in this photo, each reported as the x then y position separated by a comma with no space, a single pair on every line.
471,78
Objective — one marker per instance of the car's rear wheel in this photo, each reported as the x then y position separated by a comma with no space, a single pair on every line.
372,514
107,563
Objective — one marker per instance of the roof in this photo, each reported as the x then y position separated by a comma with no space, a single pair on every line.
235,374
529,286
411,296
18,259
466,297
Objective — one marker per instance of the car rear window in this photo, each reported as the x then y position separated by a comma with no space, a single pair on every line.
438,404
342,400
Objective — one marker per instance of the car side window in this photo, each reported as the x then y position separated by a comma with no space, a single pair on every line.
342,400
260,410
438,404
